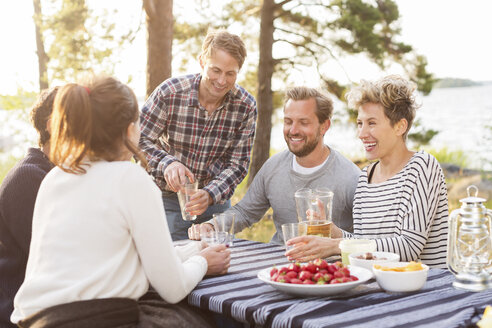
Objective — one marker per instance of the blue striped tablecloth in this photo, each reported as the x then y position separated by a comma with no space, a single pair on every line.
242,296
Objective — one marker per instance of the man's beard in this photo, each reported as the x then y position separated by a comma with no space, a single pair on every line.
307,149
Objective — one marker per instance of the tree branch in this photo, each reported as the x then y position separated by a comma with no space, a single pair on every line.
310,40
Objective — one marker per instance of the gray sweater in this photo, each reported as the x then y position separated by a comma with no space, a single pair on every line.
276,182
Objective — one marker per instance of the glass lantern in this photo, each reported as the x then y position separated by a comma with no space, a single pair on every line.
469,255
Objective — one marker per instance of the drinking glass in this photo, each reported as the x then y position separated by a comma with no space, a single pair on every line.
184,195
314,205
215,238
291,230
224,222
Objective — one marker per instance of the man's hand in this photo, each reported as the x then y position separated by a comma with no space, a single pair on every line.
307,248
199,202
175,175
195,231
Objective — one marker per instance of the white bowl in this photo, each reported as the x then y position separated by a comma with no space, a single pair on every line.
367,264
408,281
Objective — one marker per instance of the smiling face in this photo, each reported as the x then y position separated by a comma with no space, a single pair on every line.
376,133
219,74
302,131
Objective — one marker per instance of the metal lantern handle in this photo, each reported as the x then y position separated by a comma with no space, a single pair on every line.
469,188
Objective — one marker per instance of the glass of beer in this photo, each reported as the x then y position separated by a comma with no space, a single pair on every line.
320,228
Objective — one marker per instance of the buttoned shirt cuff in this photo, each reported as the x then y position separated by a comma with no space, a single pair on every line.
214,192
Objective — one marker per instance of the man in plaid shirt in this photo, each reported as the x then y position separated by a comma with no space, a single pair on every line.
200,127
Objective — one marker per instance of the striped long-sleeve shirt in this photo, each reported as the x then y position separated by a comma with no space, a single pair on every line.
406,214
216,147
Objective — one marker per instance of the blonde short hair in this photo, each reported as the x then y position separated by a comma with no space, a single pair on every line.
223,40
393,92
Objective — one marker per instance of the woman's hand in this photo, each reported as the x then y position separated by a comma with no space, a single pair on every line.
307,248
218,259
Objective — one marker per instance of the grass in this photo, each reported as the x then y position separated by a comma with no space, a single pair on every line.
445,155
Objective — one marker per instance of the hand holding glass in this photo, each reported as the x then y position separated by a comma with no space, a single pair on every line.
291,230
184,195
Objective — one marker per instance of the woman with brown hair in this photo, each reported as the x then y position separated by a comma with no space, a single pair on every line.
100,234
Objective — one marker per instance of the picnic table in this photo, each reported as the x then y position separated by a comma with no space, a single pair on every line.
242,298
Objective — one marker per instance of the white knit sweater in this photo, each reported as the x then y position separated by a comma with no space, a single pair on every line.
103,234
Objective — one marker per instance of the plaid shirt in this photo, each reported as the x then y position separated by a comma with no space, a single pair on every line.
216,147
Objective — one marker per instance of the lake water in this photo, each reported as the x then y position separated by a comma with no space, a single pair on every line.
461,115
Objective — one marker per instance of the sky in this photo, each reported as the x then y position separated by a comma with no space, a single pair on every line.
454,35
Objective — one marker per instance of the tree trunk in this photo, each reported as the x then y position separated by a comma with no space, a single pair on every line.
42,57
159,41
261,148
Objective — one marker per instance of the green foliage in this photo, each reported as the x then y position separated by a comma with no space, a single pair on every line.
261,231
420,136
79,43
22,100
445,155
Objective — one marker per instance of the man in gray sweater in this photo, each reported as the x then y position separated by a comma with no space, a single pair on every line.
308,163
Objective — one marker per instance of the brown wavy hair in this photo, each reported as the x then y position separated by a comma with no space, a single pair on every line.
91,122
41,113
393,92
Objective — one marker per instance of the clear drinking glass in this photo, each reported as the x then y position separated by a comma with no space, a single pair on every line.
291,230
215,238
224,222
184,195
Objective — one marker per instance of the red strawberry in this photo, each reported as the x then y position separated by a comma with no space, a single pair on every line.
308,282
282,271
273,271
321,264
338,274
296,281
311,267
305,275
336,281
294,267
332,268
291,274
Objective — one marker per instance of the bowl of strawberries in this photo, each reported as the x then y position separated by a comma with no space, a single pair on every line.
315,278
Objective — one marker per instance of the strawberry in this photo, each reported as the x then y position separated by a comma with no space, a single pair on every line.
338,274
296,281
319,277
305,275
283,278
283,270
345,271
311,267
273,271
291,274
294,267
321,264
332,268
308,282
336,281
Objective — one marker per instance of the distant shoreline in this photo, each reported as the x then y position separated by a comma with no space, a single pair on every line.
449,82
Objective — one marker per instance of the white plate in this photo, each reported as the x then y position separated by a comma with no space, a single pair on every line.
317,290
